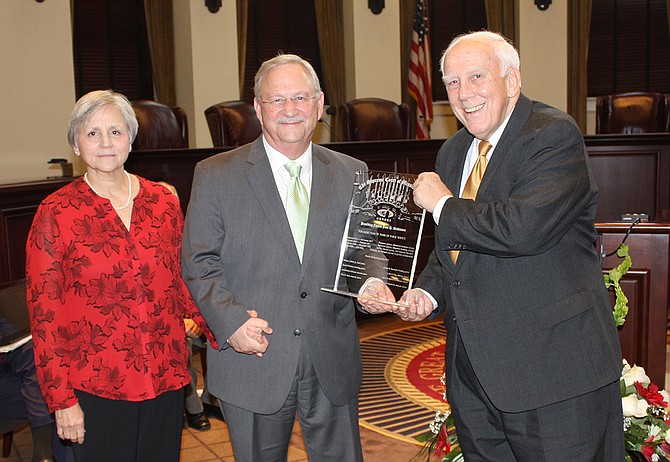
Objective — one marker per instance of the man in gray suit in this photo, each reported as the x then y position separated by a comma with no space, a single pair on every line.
532,358
255,273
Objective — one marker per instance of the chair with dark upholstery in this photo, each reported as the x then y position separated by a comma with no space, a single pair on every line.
369,119
635,112
232,123
160,126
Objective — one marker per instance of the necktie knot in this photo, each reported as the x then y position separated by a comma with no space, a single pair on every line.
484,147
293,169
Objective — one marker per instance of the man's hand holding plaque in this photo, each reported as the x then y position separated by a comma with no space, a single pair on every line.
377,298
373,295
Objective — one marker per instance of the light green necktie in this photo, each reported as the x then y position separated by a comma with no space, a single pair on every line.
297,206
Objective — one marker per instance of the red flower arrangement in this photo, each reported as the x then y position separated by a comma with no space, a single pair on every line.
646,417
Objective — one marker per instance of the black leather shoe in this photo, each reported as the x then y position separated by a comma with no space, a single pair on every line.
212,411
197,421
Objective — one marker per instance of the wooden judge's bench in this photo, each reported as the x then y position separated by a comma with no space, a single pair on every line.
632,173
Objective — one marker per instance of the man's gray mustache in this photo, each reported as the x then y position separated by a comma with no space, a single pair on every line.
290,120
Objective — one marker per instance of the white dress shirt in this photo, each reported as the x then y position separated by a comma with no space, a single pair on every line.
281,175
470,161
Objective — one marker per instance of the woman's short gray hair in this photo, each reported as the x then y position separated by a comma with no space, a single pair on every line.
508,56
281,60
88,104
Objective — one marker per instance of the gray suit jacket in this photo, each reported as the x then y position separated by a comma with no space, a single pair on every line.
238,254
527,293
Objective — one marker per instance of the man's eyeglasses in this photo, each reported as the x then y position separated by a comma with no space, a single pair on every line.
280,101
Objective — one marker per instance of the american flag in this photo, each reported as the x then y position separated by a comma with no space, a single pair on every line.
419,85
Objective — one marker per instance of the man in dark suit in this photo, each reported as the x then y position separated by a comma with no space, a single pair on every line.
255,272
532,357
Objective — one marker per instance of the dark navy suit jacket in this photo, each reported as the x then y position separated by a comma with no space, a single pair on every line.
527,293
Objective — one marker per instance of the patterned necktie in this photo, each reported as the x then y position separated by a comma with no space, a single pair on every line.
297,206
474,180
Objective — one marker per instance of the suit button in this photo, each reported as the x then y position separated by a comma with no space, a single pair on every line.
303,294
456,283
297,332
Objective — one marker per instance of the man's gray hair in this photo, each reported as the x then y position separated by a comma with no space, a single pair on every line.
508,56
281,60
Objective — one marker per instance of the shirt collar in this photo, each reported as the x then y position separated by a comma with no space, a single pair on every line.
278,160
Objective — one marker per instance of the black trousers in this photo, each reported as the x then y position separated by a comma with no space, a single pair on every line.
586,428
143,431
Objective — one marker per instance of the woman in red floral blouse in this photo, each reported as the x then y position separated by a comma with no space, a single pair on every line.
106,297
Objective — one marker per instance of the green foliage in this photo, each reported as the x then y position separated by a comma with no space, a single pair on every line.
612,282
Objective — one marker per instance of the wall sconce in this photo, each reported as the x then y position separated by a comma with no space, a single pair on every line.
213,5
376,6
542,4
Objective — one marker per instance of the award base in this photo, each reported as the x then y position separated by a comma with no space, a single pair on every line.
363,297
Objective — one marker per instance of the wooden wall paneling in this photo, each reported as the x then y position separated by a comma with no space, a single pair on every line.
628,193
634,334
632,174
15,227
18,204
647,286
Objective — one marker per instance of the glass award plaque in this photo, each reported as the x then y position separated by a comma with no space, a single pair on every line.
382,234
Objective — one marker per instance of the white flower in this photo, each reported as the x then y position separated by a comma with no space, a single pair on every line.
654,431
437,423
667,437
666,396
630,375
632,407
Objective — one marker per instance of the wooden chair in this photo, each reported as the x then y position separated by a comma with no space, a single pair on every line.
636,112
232,123
370,119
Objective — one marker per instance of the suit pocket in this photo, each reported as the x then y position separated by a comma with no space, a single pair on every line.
566,308
345,312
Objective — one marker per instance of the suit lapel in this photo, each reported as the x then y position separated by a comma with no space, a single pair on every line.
455,171
320,197
520,115
262,182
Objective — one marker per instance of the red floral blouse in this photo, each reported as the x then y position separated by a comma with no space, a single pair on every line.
107,304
